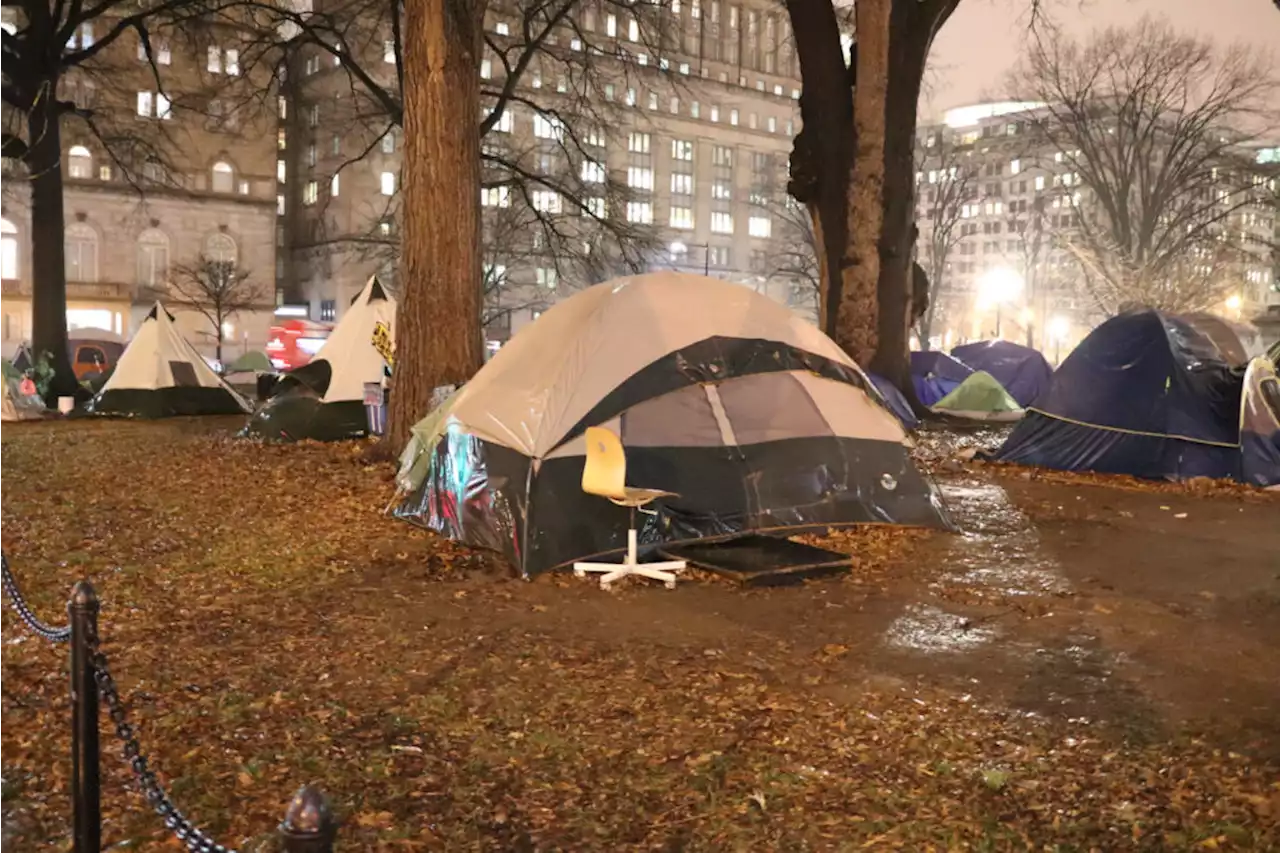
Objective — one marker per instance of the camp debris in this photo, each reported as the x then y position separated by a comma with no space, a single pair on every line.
324,399
1023,371
161,375
936,374
20,402
749,413
980,398
1145,394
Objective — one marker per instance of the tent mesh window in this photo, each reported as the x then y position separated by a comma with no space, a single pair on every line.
184,374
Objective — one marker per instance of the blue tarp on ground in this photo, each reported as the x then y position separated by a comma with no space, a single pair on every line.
1023,372
1260,424
936,374
895,401
1144,394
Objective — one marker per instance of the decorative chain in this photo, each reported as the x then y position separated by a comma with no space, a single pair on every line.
185,831
56,635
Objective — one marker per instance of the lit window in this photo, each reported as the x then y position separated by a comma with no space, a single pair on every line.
214,59
145,101
502,29
486,69
611,25
1015,166
546,277
681,183
79,162
388,142
389,52
681,149
280,171
232,61
695,110
684,68
721,222
715,113
640,211
8,250
639,178
631,97
81,244
759,226
721,190
592,172
547,128
224,177
546,201
682,217
595,205
653,100
638,143
1039,182
495,197
675,106
773,124
104,173
388,183
633,30
333,186
280,205
733,117
311,154
311,192
153,258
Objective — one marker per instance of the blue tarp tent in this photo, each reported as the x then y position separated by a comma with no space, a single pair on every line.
936,374
895,401
1260,424
1144,394
1023,372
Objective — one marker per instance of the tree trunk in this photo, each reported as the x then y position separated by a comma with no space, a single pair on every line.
856,313
438,334
48,248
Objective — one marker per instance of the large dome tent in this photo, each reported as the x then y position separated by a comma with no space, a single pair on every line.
757,420
1023,371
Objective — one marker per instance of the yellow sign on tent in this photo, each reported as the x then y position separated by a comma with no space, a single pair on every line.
383,344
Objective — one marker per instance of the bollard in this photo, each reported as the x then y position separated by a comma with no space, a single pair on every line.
308,824
85,783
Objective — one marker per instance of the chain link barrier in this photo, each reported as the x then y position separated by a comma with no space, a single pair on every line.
184,830
55,635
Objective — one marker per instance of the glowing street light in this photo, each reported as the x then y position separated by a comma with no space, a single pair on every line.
1234,303
998,286
1059,328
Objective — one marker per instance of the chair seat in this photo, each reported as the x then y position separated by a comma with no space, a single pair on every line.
640,497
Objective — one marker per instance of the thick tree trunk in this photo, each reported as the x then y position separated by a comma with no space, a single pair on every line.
438,334
857,324
48,249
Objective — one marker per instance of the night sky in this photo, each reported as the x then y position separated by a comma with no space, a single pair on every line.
985,37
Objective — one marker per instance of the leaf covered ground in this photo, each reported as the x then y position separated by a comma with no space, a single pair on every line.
270,627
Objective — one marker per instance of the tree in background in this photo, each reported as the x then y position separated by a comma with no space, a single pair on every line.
218,290
51,61
1153,133
949,185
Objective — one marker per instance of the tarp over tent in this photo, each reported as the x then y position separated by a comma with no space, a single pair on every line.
757,420
324,399
1023,372
980,398
936,374
1144,394
895,401
1260,424
17,406
161,375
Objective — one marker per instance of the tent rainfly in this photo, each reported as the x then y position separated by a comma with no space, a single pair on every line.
757,420
1023,371
324,399
161,375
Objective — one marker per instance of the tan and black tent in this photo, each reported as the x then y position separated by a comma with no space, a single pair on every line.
755,418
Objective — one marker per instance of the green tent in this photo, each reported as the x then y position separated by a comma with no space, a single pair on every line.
980,398
252,361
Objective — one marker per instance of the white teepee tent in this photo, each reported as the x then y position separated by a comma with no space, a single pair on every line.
161,375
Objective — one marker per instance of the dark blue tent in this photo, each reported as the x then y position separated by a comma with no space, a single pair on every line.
895,401
936,374
1023,372
1260,424
1144,394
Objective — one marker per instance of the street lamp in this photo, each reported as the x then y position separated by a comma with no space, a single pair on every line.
1234,303
997,286
1059,327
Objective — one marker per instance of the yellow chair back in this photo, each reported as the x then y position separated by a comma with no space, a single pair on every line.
605,471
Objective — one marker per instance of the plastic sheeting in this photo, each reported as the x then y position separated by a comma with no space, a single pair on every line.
936,374
1260,425
896,403
1144,394
1023,371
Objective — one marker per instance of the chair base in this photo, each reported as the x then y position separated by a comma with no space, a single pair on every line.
664,571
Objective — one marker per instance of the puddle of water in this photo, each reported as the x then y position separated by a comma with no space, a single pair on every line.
923,628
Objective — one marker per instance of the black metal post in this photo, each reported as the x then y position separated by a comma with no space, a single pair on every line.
85,784
308,825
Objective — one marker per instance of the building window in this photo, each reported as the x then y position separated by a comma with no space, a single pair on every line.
154,105
773,124
281,171
82,253
280,206
311,192
759,226
596,206
220,248
546,277
681,149
388,142
153,258
8,250
79,162
733,117
389,52
682,217
387,183
486,69
546,201
639,178
1015,166
547,128
224,177
313,115
592,172
721,222
715,112
611,25
638,143
328,310
104,173
640,211
721,190
721,156
681,183
502,28
333,187
213,62
495,197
